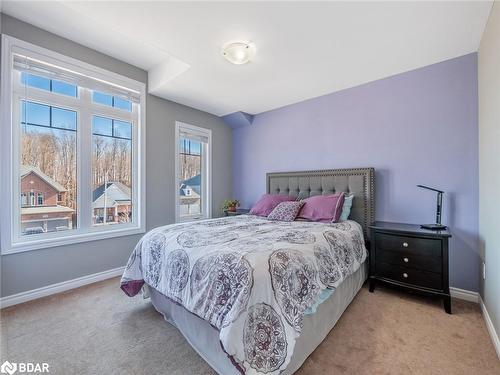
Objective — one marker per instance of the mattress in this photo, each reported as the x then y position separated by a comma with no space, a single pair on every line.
316,326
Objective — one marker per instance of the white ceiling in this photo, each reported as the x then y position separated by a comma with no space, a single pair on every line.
304,49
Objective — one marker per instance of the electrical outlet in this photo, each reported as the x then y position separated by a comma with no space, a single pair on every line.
484,271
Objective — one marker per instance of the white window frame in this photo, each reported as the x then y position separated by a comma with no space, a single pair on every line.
206,183
11,240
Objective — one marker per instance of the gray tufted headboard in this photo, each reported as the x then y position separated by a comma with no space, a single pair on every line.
360,181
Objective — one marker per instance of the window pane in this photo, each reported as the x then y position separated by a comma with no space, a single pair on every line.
122,103
190,147
190,189
122,129
63,118
101,98
35,81
63,88
112,181
34,113
53,85
102,125
47,178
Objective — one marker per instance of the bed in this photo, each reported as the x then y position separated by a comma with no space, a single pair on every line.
256,296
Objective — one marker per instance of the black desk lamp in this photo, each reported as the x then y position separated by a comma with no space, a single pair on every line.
437,225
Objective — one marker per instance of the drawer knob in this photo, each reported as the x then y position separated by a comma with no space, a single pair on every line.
405,275
406,260
405,244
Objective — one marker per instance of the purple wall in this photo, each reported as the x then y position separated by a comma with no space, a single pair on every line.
418,127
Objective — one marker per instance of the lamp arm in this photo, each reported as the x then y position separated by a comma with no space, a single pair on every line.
429,188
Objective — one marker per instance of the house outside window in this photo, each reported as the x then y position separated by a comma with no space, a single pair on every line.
90,186
46,215
193,172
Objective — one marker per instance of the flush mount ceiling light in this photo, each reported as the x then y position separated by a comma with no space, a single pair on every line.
239,52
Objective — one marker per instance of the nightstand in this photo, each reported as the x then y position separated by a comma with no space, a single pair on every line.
411,258
239,211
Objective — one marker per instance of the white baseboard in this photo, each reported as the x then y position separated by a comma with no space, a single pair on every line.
465,295
59,287
491,328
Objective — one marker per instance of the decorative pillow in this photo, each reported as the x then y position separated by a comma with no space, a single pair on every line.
268,202
323,208
346,208
286,211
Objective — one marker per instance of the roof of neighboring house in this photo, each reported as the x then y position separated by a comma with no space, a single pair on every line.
116,193
27,169
45,210
193,182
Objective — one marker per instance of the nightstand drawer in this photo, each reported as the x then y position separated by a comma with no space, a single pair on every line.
410,260
409,276
413,245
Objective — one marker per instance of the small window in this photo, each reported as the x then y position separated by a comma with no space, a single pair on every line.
122,103
111,128
102,126
59,197
52,85
40,199
63,119
112,101
38,82
35,114
32,199
122,129
24,199
101,98
64,88
193,172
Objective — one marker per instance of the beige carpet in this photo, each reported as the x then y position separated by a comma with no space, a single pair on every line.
98,330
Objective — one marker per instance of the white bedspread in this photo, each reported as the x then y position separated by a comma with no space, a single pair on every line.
250,278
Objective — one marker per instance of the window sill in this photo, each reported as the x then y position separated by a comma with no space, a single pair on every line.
70,239
187,219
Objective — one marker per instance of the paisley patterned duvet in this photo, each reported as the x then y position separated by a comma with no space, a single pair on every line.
250,278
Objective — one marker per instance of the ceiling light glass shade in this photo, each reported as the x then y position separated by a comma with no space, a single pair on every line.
239,52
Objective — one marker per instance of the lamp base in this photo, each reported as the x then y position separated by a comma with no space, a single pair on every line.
433,226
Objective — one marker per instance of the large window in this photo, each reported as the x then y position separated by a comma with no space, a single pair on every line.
73,149
193,161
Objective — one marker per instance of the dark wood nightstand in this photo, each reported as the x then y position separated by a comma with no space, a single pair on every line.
239,211
411,258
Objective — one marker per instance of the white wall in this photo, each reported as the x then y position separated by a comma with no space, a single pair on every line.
489,162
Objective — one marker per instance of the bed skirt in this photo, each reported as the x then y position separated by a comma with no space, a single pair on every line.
202,336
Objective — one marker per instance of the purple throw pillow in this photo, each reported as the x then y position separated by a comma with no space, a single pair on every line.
286,211
323,208
266,204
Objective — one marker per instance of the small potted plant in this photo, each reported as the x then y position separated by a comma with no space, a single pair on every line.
230,205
